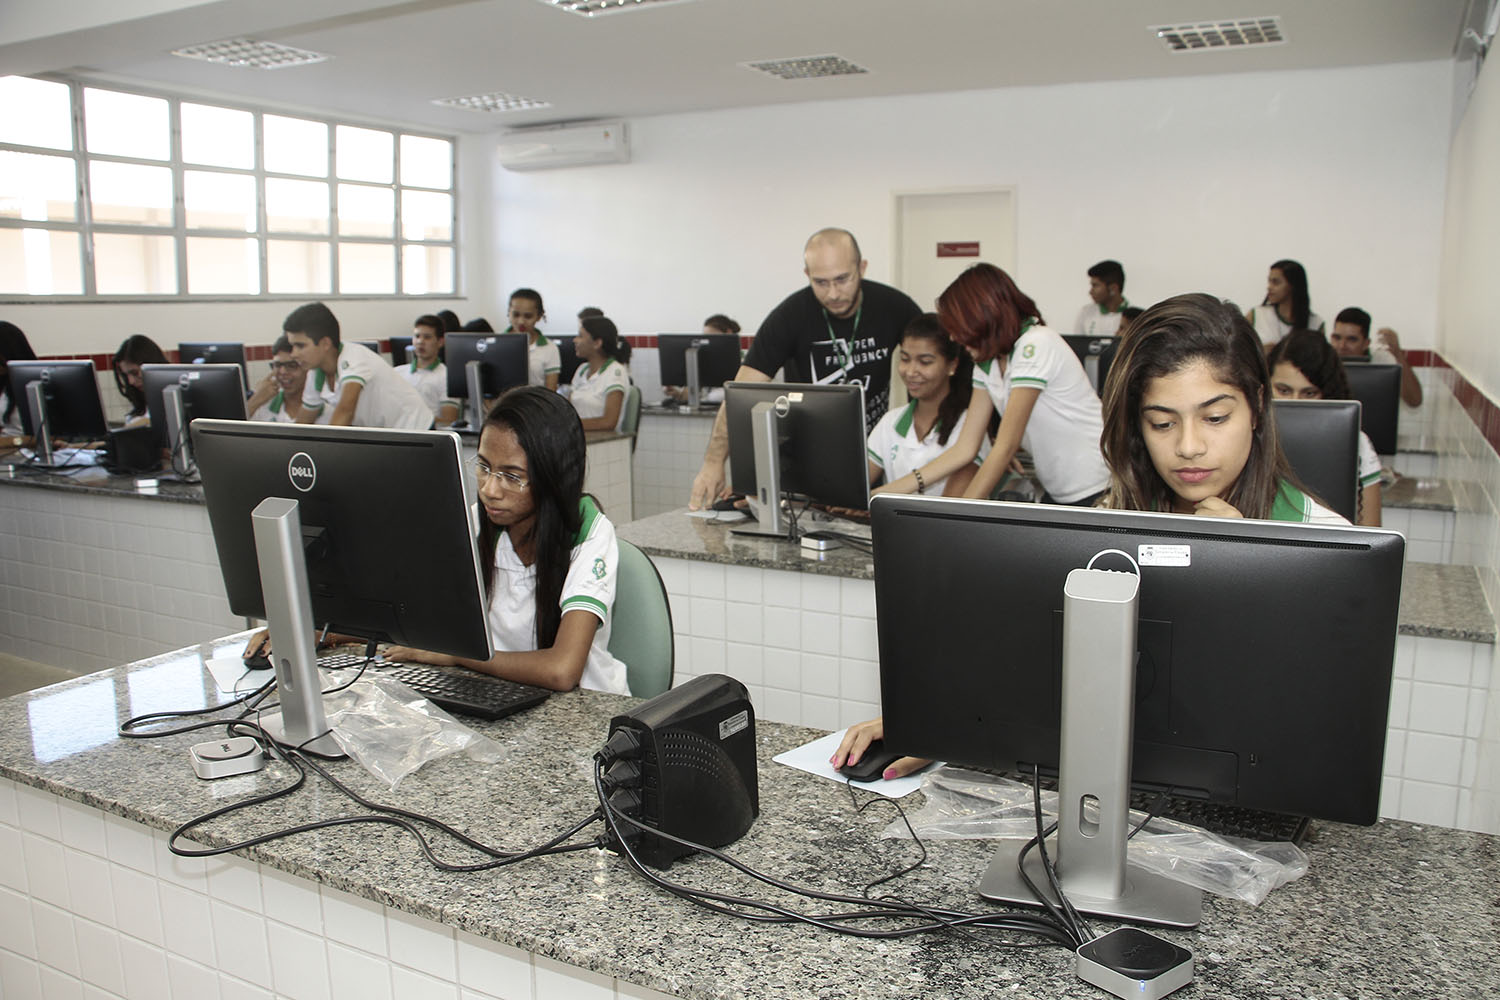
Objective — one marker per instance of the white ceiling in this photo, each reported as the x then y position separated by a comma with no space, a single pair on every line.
390,60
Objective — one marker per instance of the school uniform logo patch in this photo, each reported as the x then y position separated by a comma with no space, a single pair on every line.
1029,351
599,569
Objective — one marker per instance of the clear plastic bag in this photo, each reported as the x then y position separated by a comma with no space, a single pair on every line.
392,731
968,805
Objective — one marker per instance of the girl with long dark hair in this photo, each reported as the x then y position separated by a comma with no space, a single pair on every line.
1287,305
939,379
549,554
600,383
1187,422
137,349
13,347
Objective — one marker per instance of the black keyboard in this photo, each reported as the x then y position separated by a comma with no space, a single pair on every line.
338,661
467,692
1225,820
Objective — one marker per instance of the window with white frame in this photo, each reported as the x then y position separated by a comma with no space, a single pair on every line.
106,192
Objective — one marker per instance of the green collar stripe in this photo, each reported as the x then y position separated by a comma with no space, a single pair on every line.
984,366
583,602
1291,504
903,422
588,511
318,379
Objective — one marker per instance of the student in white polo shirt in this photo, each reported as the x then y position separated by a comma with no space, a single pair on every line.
426,371
550,555
602,378
350,379
278,398
1101,317
938,376
544,362
1035,381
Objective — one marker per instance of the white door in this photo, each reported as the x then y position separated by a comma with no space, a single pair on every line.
941,233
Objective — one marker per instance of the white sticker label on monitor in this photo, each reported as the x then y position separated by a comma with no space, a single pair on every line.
1165,555
735,723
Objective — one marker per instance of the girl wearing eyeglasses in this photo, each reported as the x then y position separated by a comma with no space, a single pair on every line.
549,554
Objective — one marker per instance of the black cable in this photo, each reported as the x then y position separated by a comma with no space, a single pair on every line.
1080,928
934,918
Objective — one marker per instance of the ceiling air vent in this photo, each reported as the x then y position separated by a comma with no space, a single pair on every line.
594,8
490,103
251,53
1210,35
808,68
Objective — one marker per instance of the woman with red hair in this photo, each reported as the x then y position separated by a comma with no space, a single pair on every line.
1032,378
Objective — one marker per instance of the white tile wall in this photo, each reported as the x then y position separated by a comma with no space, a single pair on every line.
88,582
669,452
235,930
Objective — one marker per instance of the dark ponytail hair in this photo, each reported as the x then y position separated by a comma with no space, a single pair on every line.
960,383
1311,354
1296,279
603,329
548,430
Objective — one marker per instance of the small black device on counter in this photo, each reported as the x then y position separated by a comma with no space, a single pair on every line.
872,763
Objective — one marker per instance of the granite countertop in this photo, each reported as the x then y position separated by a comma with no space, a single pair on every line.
676,535
93,479
1383,911
1445,602
1416,444
1417,493
658,410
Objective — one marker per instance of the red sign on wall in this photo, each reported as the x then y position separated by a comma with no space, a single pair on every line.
966,249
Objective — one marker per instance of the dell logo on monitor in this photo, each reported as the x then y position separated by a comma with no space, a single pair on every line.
302,472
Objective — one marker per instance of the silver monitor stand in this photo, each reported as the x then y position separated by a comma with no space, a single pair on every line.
36,402
179,441
694,381
294,646
1093,786
772,521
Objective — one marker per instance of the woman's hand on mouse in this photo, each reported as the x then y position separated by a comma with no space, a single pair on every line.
857,740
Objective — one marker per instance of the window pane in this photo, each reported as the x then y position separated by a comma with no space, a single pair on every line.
294,266
132,264
224,267
364,154
367,268
130,193
426,270
296,206
426,215
219,201
37,113
126,124
426,162
221,137
38,188
40,262
366,211
295,146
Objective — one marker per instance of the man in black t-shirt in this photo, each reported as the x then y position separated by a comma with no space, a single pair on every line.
840,328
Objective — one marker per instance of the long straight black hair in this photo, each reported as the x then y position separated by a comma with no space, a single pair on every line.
141,350
1296,279
960,383
13,347
548,430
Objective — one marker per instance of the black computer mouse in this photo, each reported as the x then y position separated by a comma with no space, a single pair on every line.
728,503
260,661
872,763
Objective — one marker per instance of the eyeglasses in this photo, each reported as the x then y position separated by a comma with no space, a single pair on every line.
284,366
508,481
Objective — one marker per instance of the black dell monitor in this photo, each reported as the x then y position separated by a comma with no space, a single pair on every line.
68,394
1320,438
499,361
213,391
568,359
1378,389
213,352
1261,652
301,544
718,360
808,442
1092,352
399,348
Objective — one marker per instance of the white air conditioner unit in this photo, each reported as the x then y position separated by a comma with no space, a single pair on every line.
564,146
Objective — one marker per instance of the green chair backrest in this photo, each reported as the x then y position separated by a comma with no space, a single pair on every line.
630,412
641,633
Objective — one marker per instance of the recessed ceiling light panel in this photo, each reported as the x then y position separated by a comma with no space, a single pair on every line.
808,68
1208,36
251,53
594,8
492,102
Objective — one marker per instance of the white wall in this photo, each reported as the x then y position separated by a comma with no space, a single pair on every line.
1194,184
98,327
1471,246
